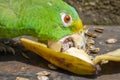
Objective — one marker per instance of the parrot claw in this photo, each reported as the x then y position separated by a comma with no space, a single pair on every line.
6,46
10,50
2,48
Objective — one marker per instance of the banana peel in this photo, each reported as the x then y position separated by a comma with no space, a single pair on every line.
110,56
73,60
61,59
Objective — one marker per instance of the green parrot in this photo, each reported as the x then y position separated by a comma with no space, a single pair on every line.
47,20
44,19
50,21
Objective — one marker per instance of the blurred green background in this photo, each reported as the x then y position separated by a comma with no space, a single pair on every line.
98,12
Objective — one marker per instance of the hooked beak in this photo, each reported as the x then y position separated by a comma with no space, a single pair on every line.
78,26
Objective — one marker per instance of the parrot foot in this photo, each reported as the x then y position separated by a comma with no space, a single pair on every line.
12,46
6,46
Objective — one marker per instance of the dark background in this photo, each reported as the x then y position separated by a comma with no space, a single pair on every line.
98,12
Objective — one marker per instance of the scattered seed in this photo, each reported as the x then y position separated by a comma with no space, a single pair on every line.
99,29
111,41
43,73
51,66
90,34
90,41
95,50
87,50
42,78
21,78
91,46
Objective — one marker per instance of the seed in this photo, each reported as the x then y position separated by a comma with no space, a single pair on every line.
42,78
21,78
90,41
95,50
43,73
111,41
99,29
90,34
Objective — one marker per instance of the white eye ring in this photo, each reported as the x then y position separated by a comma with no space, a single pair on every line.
66,19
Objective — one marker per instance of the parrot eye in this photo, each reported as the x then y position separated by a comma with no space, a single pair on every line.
66,19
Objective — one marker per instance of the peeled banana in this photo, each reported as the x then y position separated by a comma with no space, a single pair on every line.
81,65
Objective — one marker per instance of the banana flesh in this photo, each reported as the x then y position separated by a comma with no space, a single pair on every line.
65,60
79,53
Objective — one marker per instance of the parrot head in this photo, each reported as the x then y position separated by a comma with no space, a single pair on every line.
53,20
59,24
58,20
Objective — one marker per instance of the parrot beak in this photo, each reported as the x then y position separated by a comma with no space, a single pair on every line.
75,40
78,26
73,60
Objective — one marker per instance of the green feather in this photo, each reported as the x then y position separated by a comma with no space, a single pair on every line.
39,18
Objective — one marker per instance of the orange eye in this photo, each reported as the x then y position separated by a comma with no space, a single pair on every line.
67,18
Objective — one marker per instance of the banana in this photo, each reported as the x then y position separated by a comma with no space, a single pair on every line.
68,60
110,56
73,60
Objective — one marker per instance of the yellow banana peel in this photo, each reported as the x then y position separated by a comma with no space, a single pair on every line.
110,56
62,60
73,60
